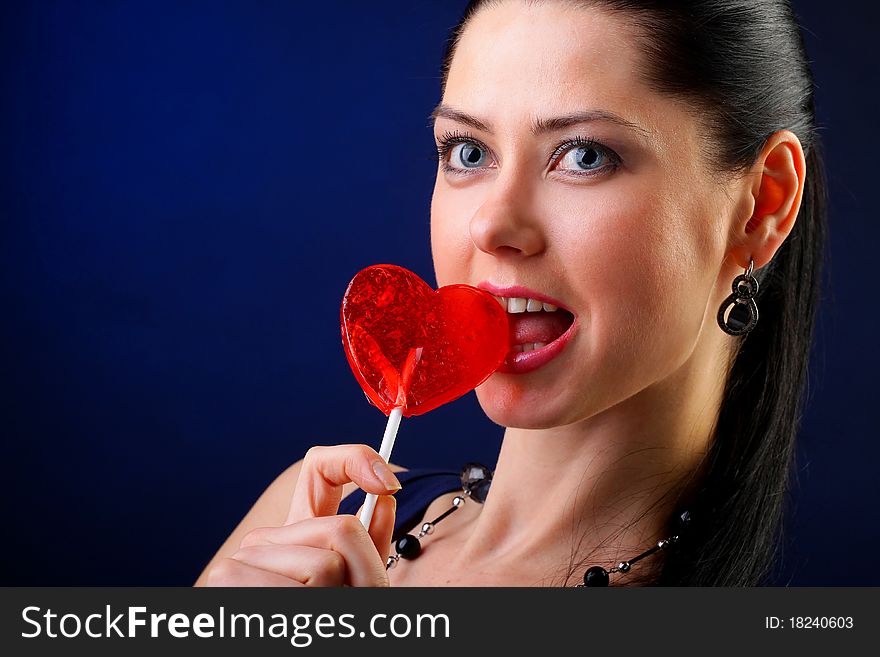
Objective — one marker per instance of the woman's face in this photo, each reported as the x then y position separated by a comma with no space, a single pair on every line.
614,213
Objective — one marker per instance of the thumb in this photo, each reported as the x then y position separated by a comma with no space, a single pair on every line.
382,524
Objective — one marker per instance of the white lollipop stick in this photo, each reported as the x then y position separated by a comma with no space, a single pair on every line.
385,452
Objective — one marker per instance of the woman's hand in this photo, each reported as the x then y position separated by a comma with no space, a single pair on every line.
315,547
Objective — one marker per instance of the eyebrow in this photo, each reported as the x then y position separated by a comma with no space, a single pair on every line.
540,125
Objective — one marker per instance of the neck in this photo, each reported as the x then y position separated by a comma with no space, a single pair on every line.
602,489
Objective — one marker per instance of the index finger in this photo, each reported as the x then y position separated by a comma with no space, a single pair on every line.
325,470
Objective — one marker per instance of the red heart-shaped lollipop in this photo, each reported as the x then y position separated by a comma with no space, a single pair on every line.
414,347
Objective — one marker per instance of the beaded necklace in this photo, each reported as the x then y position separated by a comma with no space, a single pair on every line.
475,482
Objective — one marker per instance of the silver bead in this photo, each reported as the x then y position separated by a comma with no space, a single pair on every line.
458,500
392,561
662,544
623,566
427,528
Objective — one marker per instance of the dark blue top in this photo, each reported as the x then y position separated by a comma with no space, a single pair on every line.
420,487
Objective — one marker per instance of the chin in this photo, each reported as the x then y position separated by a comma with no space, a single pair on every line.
518,407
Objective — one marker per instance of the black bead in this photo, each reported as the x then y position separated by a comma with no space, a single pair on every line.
596,576
476,479
481,490
474,473
408,546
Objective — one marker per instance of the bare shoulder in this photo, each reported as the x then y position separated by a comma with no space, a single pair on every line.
270,510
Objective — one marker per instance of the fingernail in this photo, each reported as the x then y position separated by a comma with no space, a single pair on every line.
383,472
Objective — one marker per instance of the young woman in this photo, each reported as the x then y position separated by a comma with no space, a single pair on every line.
652,170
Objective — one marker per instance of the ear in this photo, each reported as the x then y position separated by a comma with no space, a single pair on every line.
774,189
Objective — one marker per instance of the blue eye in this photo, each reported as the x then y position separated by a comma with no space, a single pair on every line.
468,154
459,153
585,156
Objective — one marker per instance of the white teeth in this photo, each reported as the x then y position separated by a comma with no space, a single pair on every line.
521,305
528,346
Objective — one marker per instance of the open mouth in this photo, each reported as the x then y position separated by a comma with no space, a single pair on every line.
540,326
534,324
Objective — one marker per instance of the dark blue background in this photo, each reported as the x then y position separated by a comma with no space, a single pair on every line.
186,189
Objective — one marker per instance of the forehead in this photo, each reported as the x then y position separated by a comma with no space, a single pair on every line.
516,60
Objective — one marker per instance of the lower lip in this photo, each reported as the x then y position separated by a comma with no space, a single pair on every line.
522,362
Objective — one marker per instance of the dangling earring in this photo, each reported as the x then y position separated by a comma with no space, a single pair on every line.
744,314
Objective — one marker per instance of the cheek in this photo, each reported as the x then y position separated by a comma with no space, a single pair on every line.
641,261
450,237
619,242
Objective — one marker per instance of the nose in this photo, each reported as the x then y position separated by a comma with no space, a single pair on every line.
504,225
